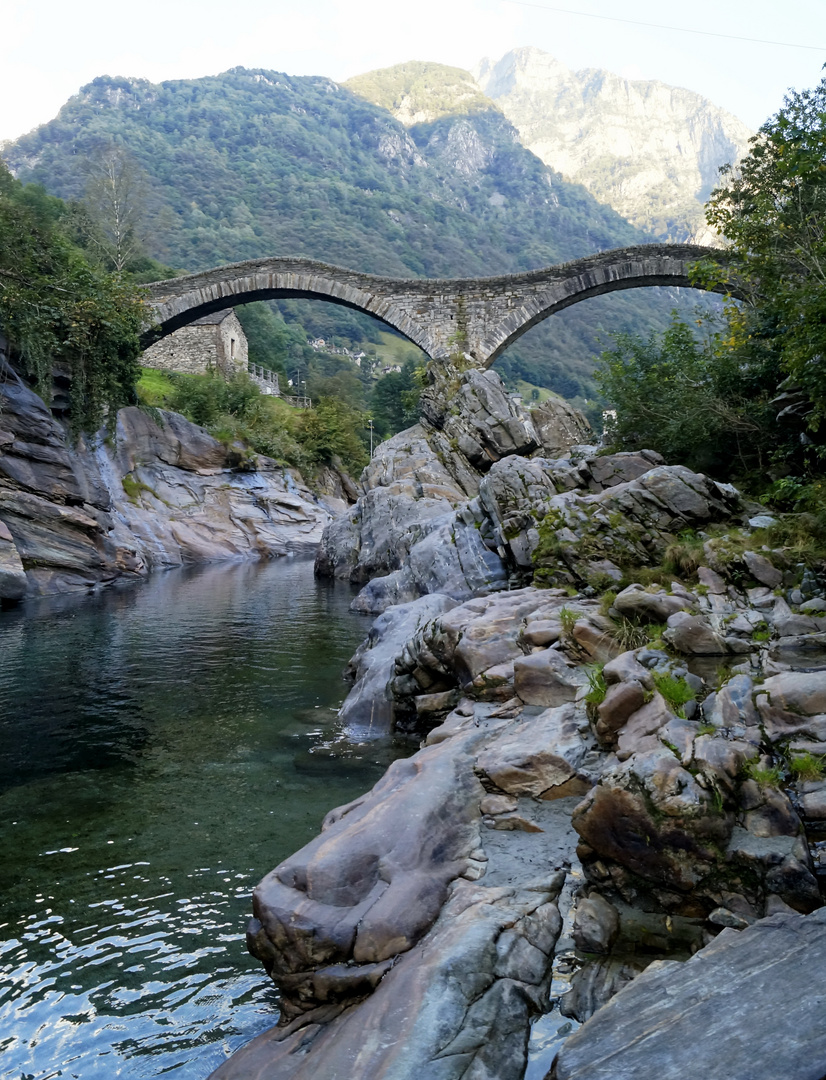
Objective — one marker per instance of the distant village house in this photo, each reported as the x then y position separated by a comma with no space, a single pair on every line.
216,342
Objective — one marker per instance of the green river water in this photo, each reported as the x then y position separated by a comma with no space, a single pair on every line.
162,747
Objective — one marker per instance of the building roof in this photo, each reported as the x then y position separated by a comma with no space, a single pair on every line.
214,319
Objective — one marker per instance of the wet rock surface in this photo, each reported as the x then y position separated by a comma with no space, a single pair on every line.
415,936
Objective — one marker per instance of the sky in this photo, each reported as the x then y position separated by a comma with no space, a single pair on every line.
53,47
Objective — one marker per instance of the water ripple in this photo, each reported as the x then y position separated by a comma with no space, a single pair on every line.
162,767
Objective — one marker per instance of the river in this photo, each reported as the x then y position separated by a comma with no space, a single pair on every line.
164,745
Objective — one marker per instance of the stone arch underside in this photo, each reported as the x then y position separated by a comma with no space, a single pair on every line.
186,304
572,291
479,316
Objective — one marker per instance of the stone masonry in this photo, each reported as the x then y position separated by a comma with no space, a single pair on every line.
215,342
478,317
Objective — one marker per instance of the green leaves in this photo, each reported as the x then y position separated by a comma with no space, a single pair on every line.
772,210
58,309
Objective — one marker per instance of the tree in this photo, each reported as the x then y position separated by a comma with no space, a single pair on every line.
772,211
690,399
115,202
56,308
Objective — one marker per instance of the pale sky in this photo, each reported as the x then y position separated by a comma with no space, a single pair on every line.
53,47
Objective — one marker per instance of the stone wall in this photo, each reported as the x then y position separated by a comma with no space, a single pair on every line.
214,343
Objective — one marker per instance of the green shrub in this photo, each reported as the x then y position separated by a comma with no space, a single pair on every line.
808,766
674,689
763,775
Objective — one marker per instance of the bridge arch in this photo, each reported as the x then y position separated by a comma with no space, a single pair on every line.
180,301
611,271
477,316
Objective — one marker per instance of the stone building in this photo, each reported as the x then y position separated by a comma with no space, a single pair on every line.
214,343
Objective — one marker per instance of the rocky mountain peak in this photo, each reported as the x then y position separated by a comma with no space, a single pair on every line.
649,150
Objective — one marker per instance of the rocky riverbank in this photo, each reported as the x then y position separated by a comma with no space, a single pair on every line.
618,676
155,491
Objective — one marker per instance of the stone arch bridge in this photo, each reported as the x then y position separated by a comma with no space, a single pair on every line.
476,316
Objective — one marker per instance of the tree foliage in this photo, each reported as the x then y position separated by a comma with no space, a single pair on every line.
750,398
58,308
772,211
691,400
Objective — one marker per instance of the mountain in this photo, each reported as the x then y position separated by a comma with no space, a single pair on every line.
649,150
253,163
419,92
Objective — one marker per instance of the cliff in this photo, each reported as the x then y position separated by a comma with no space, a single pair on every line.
151,492
649,150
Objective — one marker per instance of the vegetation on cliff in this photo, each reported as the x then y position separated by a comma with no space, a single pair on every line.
57,307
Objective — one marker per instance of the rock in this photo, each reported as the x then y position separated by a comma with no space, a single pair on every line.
542,632
595,983
368,709
510,822
536,756
452,559
715,584
693,635
761,569
460,1006
793,703
559,426
514,494
813,803
621,700
735,992
13,582
627,668
637,733
481,417
374,881
795,625
547,679
679,849
609,470
813,606
762,521
642,606
596,924
498,804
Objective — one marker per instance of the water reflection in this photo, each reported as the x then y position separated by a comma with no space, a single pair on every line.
163,746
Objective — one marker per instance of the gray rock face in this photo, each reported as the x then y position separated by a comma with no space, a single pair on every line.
479,415
369,708
559,426
723,1012
634,144
420,527
156,494
404,942
459,1007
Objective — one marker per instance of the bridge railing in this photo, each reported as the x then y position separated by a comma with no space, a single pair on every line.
267,382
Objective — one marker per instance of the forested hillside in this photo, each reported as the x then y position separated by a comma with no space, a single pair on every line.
254,163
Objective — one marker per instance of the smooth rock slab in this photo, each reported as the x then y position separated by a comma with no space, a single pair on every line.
750,1006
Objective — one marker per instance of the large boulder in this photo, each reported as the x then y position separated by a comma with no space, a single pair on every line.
725,1012
559,426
